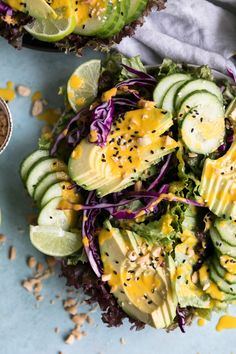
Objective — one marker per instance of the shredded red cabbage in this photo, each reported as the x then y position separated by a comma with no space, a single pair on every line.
88,227
101,121
161,174
71,133
181,318
5,9
140,74
232,73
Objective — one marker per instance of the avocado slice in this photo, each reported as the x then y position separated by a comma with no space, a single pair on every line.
142,288
133,146
36,9
218,184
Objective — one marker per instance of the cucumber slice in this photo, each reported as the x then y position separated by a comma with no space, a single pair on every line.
42,168
46,182
230,278
30,160
228,263
60,189
118,22
165,84
169,100
196,85
223,247
50,215
227,230
97,21
210,286
54,241
205,112
221,283
135,10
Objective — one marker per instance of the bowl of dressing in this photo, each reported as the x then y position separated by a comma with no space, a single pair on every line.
6,125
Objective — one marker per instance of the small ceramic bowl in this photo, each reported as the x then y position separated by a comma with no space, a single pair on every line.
6,125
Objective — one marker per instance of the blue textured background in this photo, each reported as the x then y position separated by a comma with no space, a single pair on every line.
27,327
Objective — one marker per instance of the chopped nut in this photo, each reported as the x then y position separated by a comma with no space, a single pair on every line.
122,340
2,238
70,339
37,108
39,298
40,268
79,319
12,253
51,261
27,285
206,286
69,302
195,278
23,91
192,154
89,320
138,186
72,310
31,262
106,277
38,287
77,334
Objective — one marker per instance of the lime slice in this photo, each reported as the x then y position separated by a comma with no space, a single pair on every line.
54,241
82,87
51,30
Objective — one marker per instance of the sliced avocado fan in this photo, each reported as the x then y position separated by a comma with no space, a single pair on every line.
218,184
133,146
139,276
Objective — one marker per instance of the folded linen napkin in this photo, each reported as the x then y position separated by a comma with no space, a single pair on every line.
191,31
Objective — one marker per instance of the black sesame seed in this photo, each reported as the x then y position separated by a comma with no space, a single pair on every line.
107,254
115,272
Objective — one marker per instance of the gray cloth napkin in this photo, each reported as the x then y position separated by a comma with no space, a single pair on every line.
191,31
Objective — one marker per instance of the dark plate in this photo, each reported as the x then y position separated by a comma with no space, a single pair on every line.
32,43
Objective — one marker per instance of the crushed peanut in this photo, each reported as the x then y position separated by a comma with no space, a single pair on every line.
2,238
12,253
70,339
51,261
31,262
37,108
23,91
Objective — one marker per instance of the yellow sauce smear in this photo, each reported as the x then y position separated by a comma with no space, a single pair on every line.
37,95
50,116
76,82
201,322
226,322
8,93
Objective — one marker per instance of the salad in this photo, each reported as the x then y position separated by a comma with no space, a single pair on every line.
72,25
135,187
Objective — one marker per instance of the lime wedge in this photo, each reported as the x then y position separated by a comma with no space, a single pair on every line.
51,30
82,87
54,241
